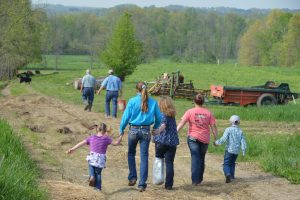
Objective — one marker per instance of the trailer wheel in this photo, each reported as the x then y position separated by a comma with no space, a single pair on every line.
266,100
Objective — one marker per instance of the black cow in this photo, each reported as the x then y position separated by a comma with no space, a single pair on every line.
24,77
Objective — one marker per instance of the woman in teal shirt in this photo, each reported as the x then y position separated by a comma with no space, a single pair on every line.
140,113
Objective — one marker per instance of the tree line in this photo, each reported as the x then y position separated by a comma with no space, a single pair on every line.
274,40
188,35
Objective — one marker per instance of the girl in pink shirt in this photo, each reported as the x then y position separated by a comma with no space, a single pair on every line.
97,157
201,121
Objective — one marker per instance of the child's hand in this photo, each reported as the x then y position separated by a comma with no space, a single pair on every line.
70,151
215,144
155,132
118,141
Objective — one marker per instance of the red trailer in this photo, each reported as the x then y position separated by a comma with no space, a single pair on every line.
268,94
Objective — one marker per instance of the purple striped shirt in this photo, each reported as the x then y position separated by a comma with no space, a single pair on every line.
99,144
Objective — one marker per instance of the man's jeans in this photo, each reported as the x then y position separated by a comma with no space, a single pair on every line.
168,152
198,151
143,136
96,173
229,164
88,95
111,96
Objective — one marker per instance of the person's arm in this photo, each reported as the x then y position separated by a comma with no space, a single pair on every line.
81,86
103,85
159,130
181,124
116,142
184,119
223,138
157,115
215,131
125,120
120,88
80,144
101,88
243,145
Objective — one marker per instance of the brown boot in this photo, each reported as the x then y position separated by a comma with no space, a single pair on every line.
132,182
92,181
86,107
90,107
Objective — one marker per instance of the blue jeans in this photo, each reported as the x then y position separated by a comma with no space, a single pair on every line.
88,95
168,152
111,96
198,151
143,136
96,173
229,164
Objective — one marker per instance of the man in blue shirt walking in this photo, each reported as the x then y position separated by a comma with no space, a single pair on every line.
113,86
87,89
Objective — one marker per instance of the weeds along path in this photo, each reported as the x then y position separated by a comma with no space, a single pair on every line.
49,127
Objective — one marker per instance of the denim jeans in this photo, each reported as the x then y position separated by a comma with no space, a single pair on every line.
168,152
96,173
143,136
111,96
88,95
198,151
229,164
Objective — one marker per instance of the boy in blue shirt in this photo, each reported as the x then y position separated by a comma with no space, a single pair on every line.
234,138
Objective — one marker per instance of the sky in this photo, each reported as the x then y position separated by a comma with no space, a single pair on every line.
243,4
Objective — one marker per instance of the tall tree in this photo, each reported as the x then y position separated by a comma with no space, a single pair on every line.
290,52
122,54
248,52
19,36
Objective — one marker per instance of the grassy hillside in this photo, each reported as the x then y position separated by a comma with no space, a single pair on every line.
18,173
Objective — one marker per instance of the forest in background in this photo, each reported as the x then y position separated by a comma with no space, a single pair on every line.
195,35
183,34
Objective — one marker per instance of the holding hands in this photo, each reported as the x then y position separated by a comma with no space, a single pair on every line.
216,144
155,132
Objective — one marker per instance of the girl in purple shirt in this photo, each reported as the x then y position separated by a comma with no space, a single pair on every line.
97,157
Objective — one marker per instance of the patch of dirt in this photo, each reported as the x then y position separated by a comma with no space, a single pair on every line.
5,91
64,130
65,176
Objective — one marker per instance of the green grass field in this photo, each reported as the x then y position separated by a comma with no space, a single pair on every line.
65,62
18,173
61,84
277,154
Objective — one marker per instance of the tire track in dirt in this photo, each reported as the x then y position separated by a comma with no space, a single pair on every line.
65,176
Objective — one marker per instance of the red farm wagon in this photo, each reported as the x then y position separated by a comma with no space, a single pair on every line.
267,94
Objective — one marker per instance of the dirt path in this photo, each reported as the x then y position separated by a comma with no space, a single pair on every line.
49,127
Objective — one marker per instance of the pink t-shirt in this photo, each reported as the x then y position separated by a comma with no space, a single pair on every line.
99,144
199,120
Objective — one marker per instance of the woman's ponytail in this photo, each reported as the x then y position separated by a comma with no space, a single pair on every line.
142,88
